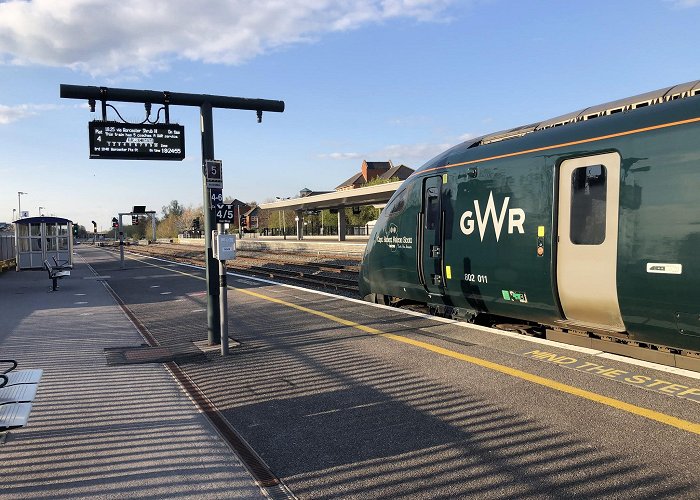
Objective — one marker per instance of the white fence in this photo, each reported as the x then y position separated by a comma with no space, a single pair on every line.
7,246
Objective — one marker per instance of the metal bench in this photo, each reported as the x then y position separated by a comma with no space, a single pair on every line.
57,271
17,391
64,264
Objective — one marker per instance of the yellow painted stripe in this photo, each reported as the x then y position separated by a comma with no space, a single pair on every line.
561,145
506,370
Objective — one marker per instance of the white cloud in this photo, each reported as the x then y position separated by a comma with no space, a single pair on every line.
9,114
412,155
684,3
340,156
467,136
102,37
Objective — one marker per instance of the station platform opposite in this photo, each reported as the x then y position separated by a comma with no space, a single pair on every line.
352,246
95,430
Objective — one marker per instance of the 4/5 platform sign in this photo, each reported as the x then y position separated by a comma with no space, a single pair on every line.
127,141
224,212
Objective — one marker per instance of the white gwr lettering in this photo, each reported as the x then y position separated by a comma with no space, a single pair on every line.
516,218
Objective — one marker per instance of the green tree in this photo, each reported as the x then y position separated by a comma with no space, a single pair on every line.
174,208
329,220
167,228
141,231
378,180
367,213
279,220
82,232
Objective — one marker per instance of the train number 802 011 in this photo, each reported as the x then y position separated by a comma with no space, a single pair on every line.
476,278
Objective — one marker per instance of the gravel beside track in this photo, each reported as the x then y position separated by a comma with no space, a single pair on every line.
326,272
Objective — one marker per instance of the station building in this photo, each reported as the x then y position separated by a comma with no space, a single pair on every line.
353,193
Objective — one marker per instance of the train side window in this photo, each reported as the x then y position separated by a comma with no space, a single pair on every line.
397,204
588,200
432,209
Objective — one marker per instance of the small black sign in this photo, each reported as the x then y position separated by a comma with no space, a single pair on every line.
212,174
216,197
224,212
213,170
127,141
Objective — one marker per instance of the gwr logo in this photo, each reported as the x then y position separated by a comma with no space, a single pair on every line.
516,218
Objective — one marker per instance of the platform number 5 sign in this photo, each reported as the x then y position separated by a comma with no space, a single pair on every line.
213,174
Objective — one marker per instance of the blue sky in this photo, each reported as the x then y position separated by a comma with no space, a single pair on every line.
397,80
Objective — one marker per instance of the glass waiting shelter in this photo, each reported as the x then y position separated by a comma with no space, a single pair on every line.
41,238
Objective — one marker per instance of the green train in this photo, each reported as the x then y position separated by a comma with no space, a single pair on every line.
585,226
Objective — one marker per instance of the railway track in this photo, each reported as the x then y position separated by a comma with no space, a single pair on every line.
340,275
320,271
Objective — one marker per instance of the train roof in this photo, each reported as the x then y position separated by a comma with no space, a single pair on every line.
625,105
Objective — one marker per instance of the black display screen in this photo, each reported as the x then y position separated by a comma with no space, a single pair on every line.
127,141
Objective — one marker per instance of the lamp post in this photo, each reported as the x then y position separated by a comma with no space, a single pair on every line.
14,212
40,214
19,202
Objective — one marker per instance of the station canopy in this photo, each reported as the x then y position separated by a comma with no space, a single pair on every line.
44,219
378,194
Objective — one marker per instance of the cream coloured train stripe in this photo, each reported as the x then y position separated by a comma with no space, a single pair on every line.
663,418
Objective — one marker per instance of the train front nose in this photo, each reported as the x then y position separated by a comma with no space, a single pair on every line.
363,279
368,269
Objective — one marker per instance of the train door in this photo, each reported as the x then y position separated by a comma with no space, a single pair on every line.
587,241
431,227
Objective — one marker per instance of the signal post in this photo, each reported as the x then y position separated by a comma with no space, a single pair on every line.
110,140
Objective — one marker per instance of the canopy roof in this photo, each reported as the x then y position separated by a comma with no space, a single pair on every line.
39,220
372,195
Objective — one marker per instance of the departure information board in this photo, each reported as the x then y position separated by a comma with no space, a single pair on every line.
128,141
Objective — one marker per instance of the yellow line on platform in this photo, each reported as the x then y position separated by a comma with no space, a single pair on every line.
513,372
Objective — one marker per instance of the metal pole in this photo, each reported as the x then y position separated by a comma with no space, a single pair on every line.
299,219
171,98
121,242
213,316
121,247
342,224
223,300
19,202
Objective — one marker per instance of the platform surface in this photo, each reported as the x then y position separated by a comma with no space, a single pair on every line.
340,398
95,430
345,399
